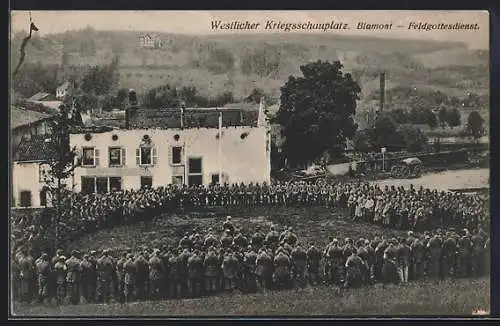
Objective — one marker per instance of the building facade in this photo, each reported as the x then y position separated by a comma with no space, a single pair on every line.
154,148
131,159
26,124
29,173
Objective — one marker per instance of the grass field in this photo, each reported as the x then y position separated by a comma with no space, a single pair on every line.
452,297
312,225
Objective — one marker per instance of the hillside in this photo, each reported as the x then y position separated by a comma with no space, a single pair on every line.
239,63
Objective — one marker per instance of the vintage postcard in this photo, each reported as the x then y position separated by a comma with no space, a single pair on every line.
223,164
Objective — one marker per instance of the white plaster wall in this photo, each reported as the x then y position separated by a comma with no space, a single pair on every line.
243,160
25,177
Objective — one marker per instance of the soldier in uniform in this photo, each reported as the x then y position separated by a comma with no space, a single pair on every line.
449,255
44,270
272,239
142,276
173,279
334,263
249,264
435,251
282,267
477,260
211,240
60,270
229,270
211,268
370,259
195,274
73,277
313,265
120,277
155,275
228,226
417,251
240,240
26,275
403,252
182,272
299,265
365,269
353,270
290,238
186,242
130,269
390,270
264,270
226,239
464,257
257,239
88,276
105,271
94,276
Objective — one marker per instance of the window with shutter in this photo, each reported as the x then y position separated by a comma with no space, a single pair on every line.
96,157
155,156
176,155
124,157
170,155
88,156
138,156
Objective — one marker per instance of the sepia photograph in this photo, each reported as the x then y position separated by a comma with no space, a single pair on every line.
249,163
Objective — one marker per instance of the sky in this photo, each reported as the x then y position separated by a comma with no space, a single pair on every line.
199,22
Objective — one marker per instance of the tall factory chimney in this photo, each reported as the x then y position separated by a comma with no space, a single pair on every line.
382,91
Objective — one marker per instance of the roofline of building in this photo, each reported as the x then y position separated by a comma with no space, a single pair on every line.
161,129
30,161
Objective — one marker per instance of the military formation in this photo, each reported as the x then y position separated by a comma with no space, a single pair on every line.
203,263
404,209
228,260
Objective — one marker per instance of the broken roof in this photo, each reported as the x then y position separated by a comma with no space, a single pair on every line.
37,148
22,117
193,118
39,96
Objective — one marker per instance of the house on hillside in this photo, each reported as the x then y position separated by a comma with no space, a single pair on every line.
42,96
150,41
156,148
25,124
46,99
63,90
29,170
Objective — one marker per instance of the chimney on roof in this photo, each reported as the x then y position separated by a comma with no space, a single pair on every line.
261,119
131,108
183,106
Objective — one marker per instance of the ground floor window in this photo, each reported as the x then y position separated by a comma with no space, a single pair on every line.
88,185
177,180
101,185
215,178
115,184
43,197
195,180
146,182
25,198
195,171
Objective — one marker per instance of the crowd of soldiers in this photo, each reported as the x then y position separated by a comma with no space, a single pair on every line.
405,209
227,261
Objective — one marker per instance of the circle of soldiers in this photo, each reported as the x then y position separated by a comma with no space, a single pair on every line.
204,264
400,208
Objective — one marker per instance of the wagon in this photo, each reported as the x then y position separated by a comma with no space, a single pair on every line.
407,168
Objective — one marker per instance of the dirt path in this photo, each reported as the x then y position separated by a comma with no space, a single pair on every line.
457,179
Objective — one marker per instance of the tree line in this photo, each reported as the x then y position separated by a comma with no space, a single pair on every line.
316,110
